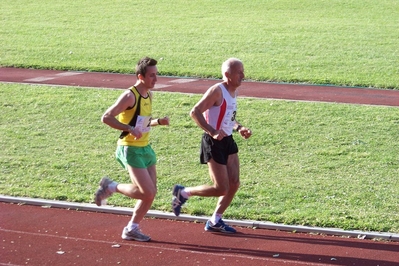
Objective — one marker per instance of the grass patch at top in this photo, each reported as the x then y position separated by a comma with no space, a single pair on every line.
319,42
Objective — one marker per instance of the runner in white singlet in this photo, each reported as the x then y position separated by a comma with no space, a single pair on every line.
216,113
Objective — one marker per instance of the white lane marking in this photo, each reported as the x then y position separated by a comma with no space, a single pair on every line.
183,80
50,77
160,86
209,251
68,73
40,79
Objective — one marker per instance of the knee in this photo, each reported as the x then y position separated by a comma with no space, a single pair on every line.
146,194
235,185
229,188
150,194
221,190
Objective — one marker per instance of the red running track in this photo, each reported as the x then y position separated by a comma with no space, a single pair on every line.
250,89
34,235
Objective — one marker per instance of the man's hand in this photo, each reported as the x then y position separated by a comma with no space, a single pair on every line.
135,132
163,121
218,134
245,132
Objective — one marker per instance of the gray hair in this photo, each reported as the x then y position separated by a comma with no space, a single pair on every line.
228,64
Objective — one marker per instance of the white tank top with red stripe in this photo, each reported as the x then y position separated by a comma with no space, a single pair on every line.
223,117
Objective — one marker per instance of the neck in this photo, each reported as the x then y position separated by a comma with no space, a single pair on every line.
229,87
143,90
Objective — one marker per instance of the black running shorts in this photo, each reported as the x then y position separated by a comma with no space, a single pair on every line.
218,150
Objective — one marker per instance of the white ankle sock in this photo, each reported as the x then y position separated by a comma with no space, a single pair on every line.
132,226
112,186
185,193
215,218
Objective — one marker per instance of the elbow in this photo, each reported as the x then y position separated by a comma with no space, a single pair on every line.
193,113
104,118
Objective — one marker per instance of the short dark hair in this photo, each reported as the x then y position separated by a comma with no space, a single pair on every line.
143,63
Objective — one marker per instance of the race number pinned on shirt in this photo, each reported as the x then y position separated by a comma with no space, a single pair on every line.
143,123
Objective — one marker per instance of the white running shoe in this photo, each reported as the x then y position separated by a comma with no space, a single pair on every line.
134,235
102,192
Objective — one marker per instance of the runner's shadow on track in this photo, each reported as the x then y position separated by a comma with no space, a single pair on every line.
274,254
329,241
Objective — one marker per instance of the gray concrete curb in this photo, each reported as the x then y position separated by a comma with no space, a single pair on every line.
171,216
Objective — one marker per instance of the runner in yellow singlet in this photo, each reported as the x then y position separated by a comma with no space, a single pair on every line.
131,114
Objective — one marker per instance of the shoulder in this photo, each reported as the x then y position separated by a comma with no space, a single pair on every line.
130,93
128,98
215,90
214,95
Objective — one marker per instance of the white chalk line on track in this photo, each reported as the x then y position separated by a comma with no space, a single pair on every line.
208,252
51,77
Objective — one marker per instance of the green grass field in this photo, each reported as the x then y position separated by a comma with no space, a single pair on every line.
337,42
317,164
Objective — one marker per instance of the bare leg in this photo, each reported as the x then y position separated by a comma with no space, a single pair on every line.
226,182
233,170
143,188
219,176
